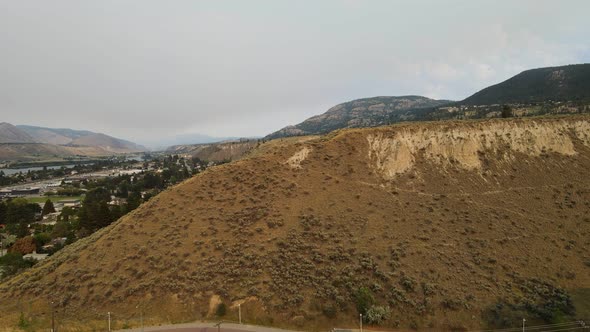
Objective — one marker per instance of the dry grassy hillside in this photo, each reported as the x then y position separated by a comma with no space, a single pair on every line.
448,224
216,152
46,152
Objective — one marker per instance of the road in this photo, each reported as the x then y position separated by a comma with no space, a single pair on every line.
207,327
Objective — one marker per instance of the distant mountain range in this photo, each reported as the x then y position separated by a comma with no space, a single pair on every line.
53,136
532,92
12,134
217,151
565,83
544,85
367,112
27,143
71,137
163,143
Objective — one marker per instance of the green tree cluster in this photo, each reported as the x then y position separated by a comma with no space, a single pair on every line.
95,213
12,263
17,214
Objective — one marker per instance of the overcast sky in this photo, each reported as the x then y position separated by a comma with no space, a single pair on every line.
144,69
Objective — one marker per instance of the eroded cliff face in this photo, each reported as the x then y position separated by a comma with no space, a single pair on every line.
394,150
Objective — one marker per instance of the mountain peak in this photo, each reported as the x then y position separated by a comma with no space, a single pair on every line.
563,83
12,134
62,142
365,112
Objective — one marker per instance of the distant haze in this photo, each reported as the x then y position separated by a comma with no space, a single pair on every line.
148,70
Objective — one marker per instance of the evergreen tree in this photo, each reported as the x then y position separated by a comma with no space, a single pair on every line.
94,213
123,189
507,111
3,209
20,210
133,201
48,207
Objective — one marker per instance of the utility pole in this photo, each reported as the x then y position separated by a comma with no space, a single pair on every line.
140,316
361,322
109,314
240,313
523,321
52,318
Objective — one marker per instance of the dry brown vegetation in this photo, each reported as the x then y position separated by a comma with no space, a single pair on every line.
439,240
216,152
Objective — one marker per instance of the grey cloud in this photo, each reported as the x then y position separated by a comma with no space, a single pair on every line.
143,69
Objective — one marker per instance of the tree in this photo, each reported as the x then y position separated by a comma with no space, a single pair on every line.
12,263
185,172
60,229
3,209
94,213
41,239
507,111
48,207
20,210
123,189
363,300
221,310
133,201
25,245
66,213
20,229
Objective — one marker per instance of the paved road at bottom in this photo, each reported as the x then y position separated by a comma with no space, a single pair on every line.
207,327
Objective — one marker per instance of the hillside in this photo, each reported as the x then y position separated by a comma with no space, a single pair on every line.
29,143
451,225
216,152
12,134
39,152
565,83
536,92
108,143
367,112
61,136
71,137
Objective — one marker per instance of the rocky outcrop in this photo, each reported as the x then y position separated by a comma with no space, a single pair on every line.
394,150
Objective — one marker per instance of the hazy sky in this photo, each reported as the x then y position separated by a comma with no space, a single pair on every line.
143,69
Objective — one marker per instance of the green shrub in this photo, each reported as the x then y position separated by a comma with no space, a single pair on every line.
363,299
542,302
221,310
23,322
377,314
329,311
408,283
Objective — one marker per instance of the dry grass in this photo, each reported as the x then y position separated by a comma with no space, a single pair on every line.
436,244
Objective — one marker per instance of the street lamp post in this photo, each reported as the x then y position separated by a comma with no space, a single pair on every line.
109,314
240,313
361,321
140,316
52,317
523,321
